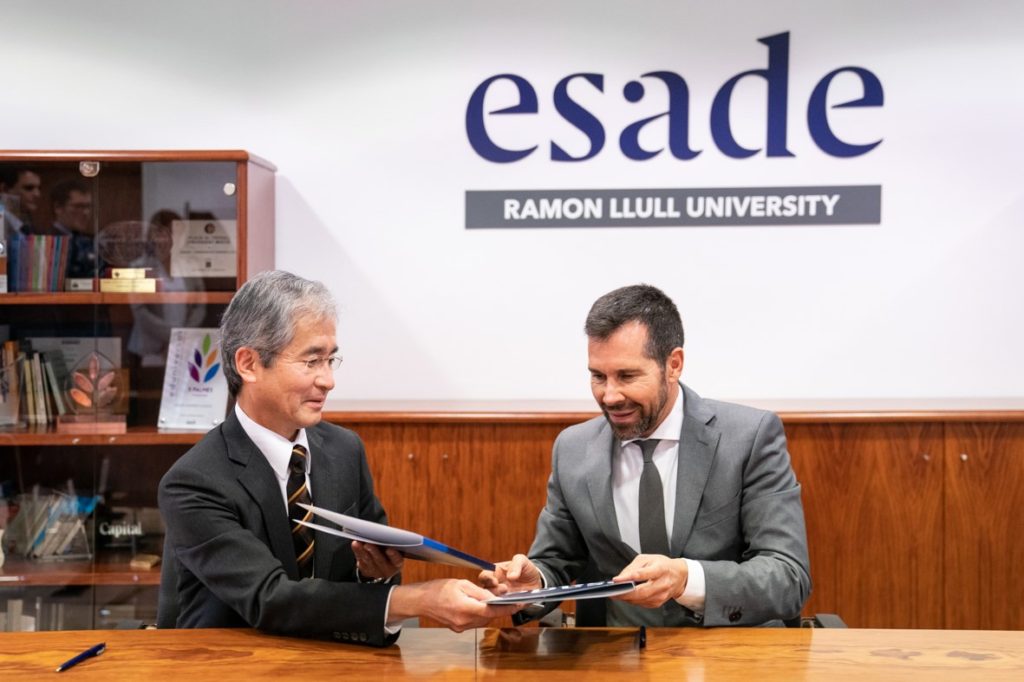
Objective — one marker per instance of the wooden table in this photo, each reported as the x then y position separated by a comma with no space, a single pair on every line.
550,654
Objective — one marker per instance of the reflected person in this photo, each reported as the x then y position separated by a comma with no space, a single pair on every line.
71,201
20,190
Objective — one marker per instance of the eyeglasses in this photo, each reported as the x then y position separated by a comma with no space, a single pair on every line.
317,364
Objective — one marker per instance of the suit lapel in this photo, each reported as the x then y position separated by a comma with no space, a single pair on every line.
600,452
698,443
259,481
326,493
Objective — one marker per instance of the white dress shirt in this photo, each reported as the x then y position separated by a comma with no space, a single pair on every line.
627,466
278,451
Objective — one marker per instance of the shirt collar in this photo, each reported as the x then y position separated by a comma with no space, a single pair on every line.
277,449
672,426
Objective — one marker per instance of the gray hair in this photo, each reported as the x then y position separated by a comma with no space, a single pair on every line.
262,316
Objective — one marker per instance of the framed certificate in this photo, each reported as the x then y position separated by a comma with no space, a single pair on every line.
204,248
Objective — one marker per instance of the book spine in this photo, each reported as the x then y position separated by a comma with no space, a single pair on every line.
11,351
51,263
38,258
37,377
62,266
30,393
51,377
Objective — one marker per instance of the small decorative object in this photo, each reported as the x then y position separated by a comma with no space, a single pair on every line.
195,395
122,243
94,389
89,169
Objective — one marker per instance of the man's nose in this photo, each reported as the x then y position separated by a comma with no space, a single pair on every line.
325,378
612,394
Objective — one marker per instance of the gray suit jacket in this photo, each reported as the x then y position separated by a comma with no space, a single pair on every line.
229,560
738,512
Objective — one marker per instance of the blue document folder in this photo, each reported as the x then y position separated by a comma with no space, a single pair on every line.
412,545
605,588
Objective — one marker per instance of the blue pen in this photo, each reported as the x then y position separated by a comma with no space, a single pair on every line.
88,653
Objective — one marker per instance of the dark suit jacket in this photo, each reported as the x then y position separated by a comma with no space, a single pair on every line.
737,511
229,560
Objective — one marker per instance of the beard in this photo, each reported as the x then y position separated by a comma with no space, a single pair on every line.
648,415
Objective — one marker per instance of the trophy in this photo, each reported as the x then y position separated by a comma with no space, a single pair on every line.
122,243
125,251
95,390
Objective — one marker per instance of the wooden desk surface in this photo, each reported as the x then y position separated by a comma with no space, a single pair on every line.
562,654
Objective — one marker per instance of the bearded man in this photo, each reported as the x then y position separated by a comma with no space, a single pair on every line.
694,499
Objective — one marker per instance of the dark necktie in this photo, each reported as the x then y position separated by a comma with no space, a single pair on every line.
653,535
302,536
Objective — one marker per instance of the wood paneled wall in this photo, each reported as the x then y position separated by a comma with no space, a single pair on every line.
911,524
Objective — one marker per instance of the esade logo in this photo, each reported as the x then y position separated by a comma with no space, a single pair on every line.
776,74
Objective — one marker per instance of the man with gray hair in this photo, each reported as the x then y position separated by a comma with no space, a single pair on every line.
232,557
694,499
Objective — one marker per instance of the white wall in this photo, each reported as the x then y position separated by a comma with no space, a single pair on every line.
361,105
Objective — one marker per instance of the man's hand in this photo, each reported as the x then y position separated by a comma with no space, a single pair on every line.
377,562
665,579
458,604
517,575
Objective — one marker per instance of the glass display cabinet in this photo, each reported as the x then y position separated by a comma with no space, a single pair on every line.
105,252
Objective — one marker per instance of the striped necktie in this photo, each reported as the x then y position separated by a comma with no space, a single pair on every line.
297,491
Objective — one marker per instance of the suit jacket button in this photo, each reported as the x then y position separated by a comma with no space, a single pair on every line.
735,616
344,635
362,636
336,635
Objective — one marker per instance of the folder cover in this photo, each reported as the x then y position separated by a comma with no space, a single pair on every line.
412,545
605,588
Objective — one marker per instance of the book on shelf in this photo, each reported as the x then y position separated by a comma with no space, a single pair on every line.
29,388
3,257
42,407
10,384
28,391
55,390
37,262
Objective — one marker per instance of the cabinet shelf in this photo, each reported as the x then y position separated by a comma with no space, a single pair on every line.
131,208
21,573
97,298
137,435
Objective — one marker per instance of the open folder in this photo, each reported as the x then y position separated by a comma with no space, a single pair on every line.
412,545
605,588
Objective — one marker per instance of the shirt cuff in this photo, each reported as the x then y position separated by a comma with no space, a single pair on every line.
390,630
695,591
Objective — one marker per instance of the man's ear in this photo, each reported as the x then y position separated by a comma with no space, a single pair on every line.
674,365
248,364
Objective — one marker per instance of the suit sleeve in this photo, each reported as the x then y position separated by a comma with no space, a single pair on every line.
772,579
211,541
558,549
